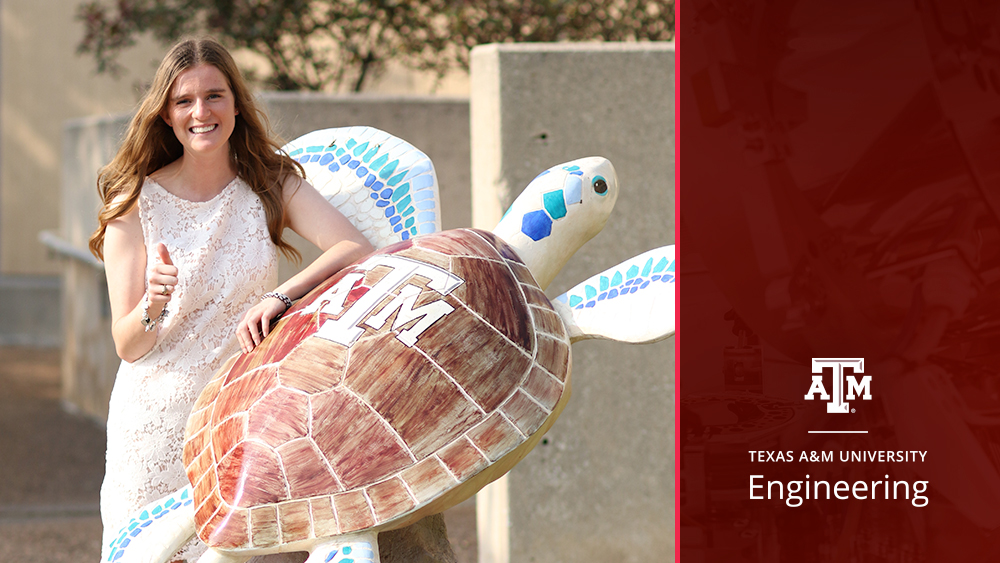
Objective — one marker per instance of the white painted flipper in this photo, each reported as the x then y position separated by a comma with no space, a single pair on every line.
385,186
631,302
155,532
352,548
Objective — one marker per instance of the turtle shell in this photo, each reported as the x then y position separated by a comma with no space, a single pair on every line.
398,387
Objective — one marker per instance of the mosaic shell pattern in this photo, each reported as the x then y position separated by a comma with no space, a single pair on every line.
391,384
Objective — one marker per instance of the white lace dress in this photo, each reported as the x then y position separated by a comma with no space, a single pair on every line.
226,260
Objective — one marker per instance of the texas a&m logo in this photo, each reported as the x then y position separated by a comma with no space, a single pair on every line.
398,289
845,387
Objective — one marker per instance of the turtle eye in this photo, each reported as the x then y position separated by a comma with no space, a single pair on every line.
600,185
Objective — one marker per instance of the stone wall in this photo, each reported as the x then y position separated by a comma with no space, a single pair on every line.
600,485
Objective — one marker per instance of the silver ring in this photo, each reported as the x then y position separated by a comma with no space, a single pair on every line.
165,290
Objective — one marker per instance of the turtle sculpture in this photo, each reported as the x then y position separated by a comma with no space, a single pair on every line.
405,383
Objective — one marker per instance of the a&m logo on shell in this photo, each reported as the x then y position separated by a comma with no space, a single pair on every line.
845,387
403,272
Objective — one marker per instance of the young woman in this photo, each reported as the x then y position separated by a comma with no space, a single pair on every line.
195,203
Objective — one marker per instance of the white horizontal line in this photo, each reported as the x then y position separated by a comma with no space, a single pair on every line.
838,431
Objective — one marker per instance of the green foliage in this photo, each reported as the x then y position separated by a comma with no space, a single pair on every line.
327,44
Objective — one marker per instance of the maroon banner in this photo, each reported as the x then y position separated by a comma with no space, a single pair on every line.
838,333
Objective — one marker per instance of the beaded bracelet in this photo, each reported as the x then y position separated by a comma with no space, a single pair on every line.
148,323
279,296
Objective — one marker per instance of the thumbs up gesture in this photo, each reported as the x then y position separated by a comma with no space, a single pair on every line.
162,277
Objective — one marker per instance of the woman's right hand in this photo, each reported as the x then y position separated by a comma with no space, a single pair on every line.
162,279
131,281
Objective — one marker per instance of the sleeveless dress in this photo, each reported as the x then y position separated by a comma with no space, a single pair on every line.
226,261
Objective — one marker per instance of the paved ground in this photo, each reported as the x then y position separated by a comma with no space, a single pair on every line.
52,464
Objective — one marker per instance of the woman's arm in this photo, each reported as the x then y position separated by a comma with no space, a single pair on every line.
125,268
318,221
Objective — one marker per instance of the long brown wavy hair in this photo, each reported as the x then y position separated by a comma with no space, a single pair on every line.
150,144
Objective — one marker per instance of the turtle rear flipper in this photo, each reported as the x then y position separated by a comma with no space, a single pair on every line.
156,531
351,548
631,302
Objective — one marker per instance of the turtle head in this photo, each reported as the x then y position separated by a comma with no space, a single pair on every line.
560,210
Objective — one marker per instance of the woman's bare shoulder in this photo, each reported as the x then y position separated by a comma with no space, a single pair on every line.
128,219
291,184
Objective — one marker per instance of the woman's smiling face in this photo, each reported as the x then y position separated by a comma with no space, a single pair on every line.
201,110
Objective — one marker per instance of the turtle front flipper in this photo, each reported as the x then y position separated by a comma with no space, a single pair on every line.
385,186
631,302
156,531
351,548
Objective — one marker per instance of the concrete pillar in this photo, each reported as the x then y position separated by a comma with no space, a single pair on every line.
600,484
89,361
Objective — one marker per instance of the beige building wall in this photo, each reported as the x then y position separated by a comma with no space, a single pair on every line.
43,83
